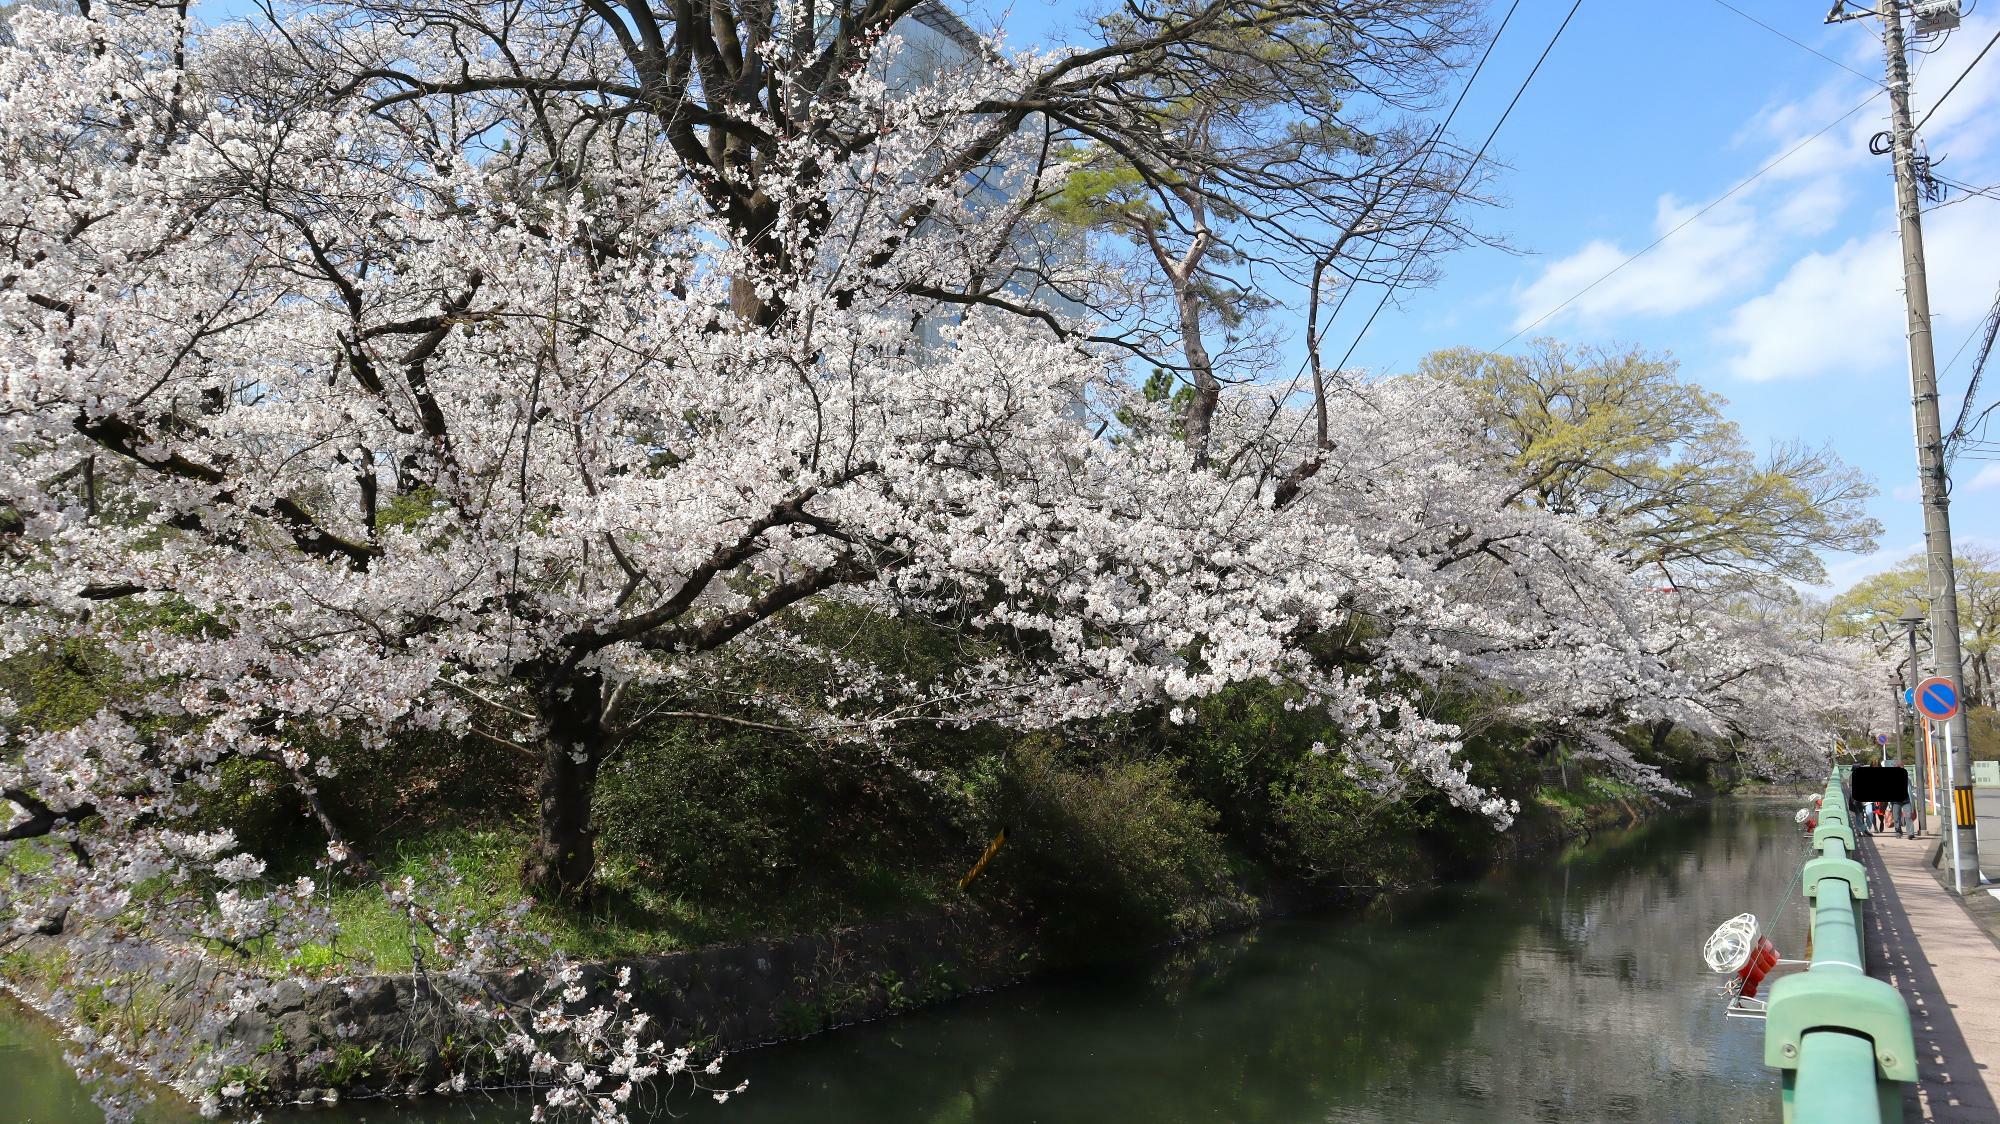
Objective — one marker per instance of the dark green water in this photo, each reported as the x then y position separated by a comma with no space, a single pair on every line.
1566,989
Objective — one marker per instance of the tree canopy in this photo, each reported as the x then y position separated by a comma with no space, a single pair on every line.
1871,609
1619,440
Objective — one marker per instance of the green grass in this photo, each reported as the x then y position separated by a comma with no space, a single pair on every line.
476,873
1571,808
27,856
1575,807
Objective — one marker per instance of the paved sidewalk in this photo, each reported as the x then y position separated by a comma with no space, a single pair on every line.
1922,940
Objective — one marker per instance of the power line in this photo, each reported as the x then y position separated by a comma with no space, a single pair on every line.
1312,342
1796,43
1965,191
1962,345
1959,427
1954,82
1436,136
1690,220
1390,290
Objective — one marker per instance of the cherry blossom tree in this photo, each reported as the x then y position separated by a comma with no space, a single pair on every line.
500,369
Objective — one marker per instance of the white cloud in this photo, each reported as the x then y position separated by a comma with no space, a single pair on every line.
1813,207
1848,572
1717,253
1964,126
1842,310
1823,152
1854,569
1829,311
1987,479
1733,245
1831,308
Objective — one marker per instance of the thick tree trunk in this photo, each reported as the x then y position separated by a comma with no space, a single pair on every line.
1660,731
1200,412
561,862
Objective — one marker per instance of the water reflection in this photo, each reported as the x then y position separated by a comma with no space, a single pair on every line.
1566,989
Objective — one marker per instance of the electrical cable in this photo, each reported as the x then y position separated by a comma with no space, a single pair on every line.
1960,427
1436,135
1965,191
1796,43
1691,219
1962,345
1961,77
1390,290
1990,191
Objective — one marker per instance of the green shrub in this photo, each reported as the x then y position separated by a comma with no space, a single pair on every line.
1107,851
255,799
801,832
1331,830
1982,725
422,779
1250,754
703,813
58,685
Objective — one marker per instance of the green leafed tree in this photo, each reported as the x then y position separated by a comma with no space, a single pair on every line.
1619,439
1882,599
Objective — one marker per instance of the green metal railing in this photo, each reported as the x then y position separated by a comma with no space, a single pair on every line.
1841,1041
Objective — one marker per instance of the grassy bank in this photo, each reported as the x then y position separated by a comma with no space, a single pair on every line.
719,829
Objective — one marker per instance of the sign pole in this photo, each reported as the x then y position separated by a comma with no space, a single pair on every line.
1930,771
1951,785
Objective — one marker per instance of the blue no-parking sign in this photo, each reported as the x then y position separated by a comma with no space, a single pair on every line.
1937,698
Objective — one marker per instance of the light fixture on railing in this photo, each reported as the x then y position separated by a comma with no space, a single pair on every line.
1739,948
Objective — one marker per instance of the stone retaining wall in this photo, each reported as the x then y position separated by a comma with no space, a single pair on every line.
313,1041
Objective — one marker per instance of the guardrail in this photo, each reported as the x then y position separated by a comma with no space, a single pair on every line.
1841,1041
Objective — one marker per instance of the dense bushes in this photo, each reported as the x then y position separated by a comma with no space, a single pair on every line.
1109,850
1292,810
1982,724
56,686
800,829
1331,831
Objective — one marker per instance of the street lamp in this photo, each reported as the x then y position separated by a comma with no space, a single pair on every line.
1912,619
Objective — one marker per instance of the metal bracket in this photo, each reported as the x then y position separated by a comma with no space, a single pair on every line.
1741,1008
1840,999
1846,870
1830,828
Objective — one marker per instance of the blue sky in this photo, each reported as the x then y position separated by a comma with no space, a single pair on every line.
1786,299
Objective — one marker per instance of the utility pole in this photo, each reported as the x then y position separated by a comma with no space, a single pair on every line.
1930,436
